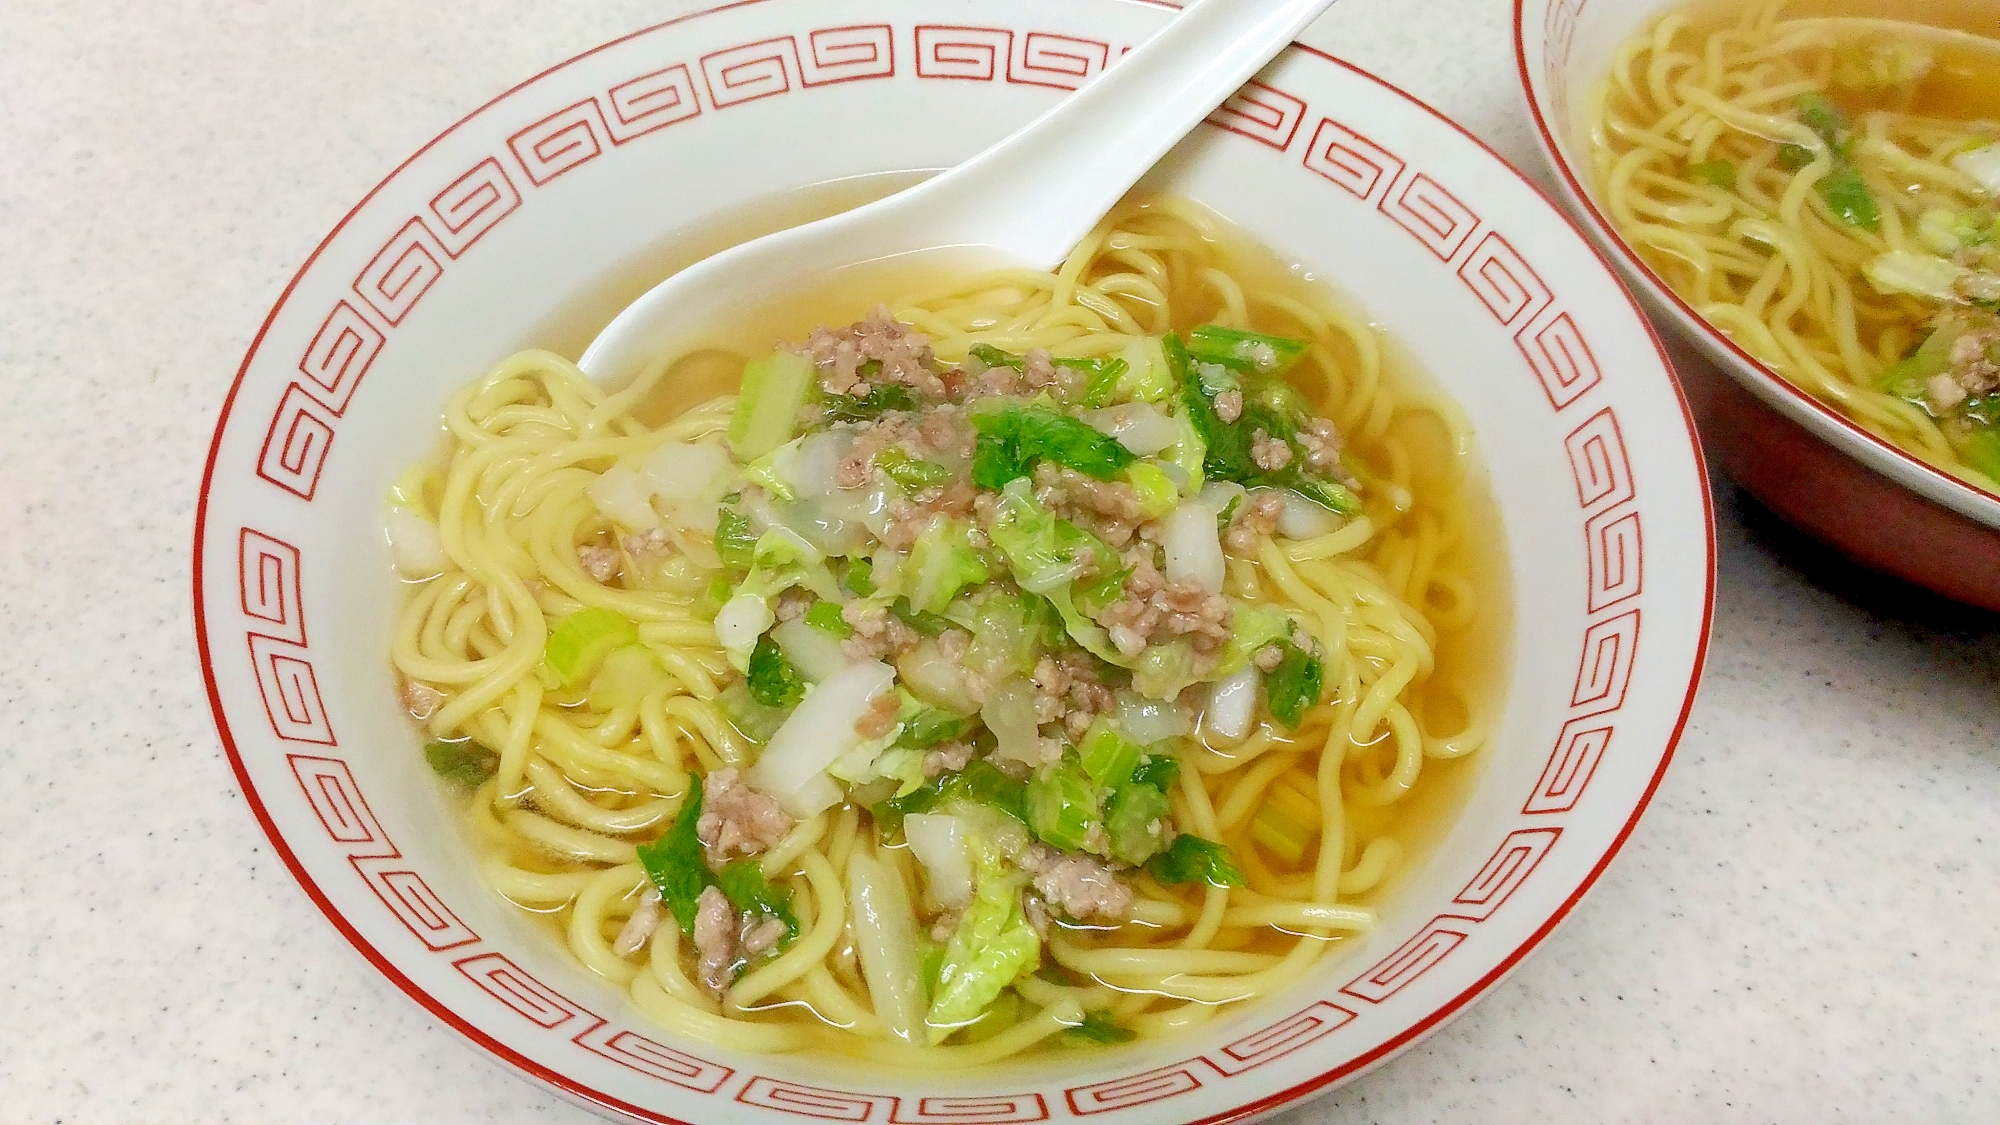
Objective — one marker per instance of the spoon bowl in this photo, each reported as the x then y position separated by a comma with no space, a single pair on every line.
1026,200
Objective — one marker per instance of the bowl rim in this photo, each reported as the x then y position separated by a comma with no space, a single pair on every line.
1873,452
577,1090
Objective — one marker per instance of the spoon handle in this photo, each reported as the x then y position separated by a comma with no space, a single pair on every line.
1065,170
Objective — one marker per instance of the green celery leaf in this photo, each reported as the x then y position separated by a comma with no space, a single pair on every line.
772,679
1191,859
462,761
675,862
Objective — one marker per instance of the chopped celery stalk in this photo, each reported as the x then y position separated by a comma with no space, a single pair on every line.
1717,173
1286,822
1331,495
772,679
581,642
911,475
1013,437
1294,686
1191,859
1135,821
825,616
994,357
675,862
1794,157
1146,377
992,945
757,722
982,783
735,543
1107,755
1157,770
1157,494
462,761
942,562
1061,808
930,727
859,577
626,676
775,388
1239,350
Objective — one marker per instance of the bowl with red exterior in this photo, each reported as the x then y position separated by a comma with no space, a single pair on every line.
541,194
1805,460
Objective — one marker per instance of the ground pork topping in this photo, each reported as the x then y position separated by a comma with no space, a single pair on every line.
1068,689
1229,406
641,926
736,820
1156,610
1109,509
601,563
715,927
421,700
878,634
1083,887
1255,518
652,546
1321,441
949,758
880,718
1269,453
901,355
1973,368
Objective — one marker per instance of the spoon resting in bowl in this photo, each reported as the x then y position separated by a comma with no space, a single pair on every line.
1026,200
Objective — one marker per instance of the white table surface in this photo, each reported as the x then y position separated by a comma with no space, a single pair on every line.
1801,929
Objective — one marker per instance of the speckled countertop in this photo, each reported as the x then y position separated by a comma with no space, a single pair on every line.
1801,930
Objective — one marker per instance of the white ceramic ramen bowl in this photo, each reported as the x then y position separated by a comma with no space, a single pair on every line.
1813,466
544,191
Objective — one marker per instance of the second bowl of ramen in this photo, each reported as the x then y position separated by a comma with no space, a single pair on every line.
1810,193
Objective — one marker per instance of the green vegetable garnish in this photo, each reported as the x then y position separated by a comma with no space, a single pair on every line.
1014,436
1099,1028
1718,173
463,761
860,576
931,727
880,399
911,475
1295,685
772,679
757,722
675,862
1239,350
993,944
1135,821
775,388
744,884
1107,756
1158,770
581,641
1191,859
1061,808
825,616
1847,195
735,543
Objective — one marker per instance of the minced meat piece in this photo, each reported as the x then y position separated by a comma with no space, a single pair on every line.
880,718
736,820
641,926
601,563
1229,406
904,356
1269,453
878,634
715,937
1083,887
1255,518
421,700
